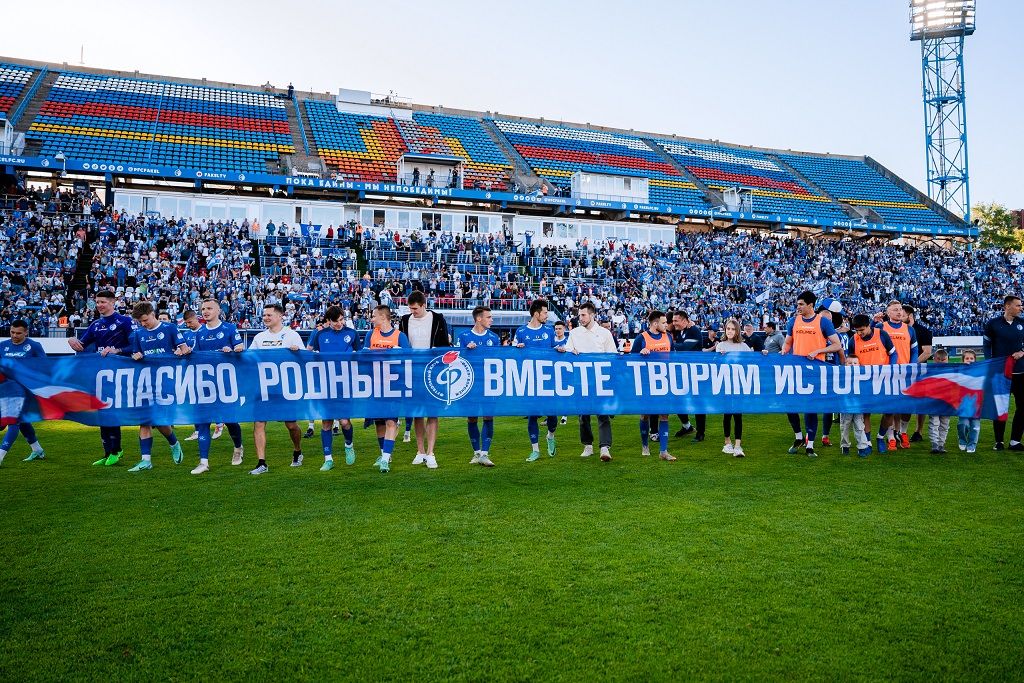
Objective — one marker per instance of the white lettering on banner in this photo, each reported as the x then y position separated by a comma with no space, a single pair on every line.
140,387
652,378
333,380
534,377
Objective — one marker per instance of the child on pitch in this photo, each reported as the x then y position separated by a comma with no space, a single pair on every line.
938,425
855,420
968,428
733,343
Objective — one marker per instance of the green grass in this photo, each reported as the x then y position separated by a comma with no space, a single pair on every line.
906,566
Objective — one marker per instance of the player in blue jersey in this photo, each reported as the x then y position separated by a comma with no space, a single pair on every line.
192,325
382,337
479,336
536,334
20,346
154,338
108,334
216,335
334,337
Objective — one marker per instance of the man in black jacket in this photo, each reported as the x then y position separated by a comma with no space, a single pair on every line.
425,330
686,336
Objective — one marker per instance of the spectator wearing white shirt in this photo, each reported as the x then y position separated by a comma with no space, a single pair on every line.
276,336
589,337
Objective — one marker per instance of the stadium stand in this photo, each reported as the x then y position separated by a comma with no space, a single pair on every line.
556,152
13,79
774,189
856,183
140,121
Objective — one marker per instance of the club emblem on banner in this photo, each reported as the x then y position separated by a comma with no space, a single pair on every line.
449,377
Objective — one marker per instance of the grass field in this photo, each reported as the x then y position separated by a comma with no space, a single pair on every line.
905,566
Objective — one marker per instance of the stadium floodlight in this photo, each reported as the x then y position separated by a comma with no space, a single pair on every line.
941,18
941,26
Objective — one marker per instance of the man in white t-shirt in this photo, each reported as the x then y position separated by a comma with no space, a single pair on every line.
426,330
590,337
276,336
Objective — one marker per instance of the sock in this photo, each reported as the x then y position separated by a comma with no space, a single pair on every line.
36,448
27,431
1014,443
146,447
645,432
9,438
380,443
172,438
686,425
235,430
552,424
327,441
347,433
204,461
262,462
663,435
485,445
798,436
309,426
890,434
810,444
296,455
204,441
533,429
386,446
474,434
408,424
115,439
3,454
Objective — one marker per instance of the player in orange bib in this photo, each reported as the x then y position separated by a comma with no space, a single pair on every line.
655,339
385,337
811,336
905,340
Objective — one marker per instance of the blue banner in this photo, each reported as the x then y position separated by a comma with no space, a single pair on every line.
286,385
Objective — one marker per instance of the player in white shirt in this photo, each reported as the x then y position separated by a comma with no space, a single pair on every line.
276,336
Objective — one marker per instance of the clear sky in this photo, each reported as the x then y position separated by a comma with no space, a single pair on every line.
819,75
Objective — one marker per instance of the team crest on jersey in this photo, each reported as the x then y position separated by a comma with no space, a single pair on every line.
449,377
220,335
160,335
113,327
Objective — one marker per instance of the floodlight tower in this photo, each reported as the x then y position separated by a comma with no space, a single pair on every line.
941,26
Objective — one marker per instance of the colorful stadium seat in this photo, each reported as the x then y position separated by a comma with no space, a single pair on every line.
486,165
13,79
365,147
556,152
173,124
361,147
854,182
774,189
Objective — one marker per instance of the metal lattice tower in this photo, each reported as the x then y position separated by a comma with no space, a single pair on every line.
942,26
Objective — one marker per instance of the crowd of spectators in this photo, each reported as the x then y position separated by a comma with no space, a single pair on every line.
176,262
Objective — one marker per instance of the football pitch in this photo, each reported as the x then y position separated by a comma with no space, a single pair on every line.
901,566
